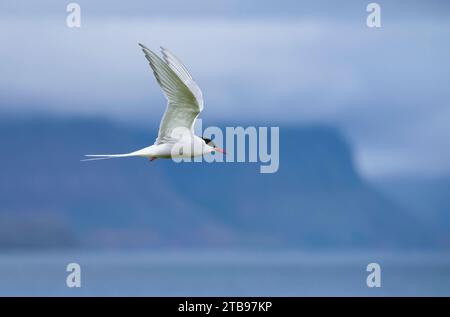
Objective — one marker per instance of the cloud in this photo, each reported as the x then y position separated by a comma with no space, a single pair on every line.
386,88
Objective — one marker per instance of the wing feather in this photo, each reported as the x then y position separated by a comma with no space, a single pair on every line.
184,97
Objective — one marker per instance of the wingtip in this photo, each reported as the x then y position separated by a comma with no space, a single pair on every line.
165,51
143,46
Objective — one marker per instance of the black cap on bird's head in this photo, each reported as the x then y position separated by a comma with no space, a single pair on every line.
208,141
211,143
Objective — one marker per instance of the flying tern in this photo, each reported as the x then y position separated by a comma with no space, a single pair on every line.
176,136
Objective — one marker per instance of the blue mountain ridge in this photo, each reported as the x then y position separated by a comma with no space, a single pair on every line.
316,199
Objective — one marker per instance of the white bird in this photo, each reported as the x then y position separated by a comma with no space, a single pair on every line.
176,136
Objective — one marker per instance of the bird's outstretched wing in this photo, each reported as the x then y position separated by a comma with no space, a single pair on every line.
185,100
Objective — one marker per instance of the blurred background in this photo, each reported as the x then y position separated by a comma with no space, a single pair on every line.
364,149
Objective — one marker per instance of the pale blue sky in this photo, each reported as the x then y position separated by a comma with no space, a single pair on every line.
269,64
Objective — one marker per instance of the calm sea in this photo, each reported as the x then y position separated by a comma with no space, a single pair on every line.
223,274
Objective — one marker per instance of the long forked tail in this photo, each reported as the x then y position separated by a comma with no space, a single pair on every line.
96,157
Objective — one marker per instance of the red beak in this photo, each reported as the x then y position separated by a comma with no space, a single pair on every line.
220,150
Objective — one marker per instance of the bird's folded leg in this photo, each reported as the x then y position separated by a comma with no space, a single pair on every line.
151,159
